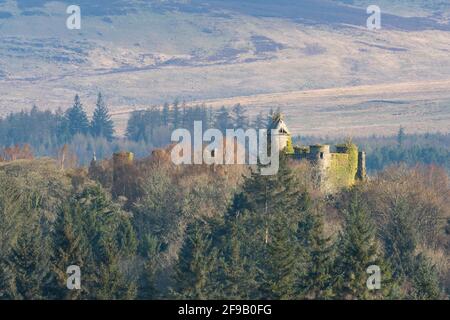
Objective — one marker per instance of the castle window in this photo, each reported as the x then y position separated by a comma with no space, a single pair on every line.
321,155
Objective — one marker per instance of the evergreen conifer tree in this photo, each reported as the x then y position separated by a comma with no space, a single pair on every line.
223,120
239,279
102,125
271,207
316,281
195,267
30,262
77,120
425,281
239,117
357,250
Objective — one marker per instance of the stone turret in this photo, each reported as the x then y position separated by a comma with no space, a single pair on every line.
319,152
282,135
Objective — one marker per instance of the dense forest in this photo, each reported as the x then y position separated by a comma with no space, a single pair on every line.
148,229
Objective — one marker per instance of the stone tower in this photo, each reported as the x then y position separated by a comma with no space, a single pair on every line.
282,135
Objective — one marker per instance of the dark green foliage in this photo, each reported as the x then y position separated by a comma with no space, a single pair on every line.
269,209
400,239
282,268
148,282
316,281
187,236
77,120
29,260
43,130
357,250
239,273
196,264
102,125
94,234
425,281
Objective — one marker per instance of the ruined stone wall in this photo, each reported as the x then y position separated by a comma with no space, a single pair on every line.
336,170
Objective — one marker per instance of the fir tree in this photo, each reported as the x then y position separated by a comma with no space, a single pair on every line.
400,239
136,126
239,117
30,262
316,281
239,278
425,281
260,122
147,287
282,267
400,137
196,264
77,120
357,250
165,115
102,125
71,248
223,120
111,282
176,115
271,207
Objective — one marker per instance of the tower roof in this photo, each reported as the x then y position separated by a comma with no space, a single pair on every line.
277,123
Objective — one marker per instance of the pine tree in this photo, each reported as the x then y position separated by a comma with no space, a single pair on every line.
260,122
271,207
165,116
223,120
316,282
7,287
196,264
147,286
77,120
111,282
401,137
102,125
239,117
425,281
71,248
136,126
239,278
400,239
281,270
94,234
176,115
30,262
357,250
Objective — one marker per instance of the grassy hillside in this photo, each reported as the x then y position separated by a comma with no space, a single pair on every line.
147,52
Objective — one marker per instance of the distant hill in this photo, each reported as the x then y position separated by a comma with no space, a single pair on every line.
141,53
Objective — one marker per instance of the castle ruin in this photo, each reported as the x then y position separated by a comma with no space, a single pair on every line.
337,167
